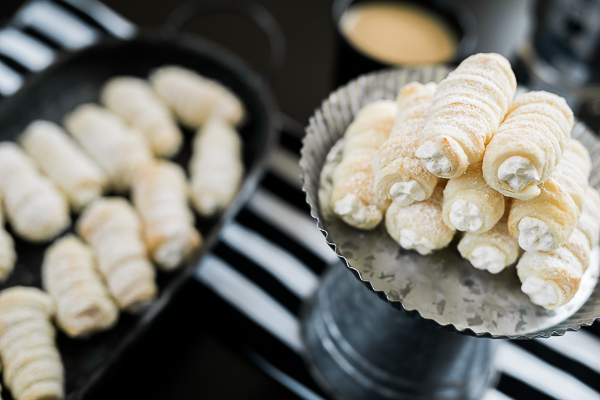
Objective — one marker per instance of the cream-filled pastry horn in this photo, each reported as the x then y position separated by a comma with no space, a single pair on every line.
136,102
216,167
160,194
8,254
528,145
117,148
547,221
492,250
470,204
114,230
63,161
468,107
353,199
32,368
552,278
35,208
419,226
70,275
399,175
194,98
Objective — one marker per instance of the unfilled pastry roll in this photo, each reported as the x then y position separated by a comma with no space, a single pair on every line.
400,175
118,149
419,226
35,208
216,167
63,161
470,204
194,98
135,101
32,366
114,230
552,279
547,221
160,194
528,145
467,109
492,250
70,275
8,255
353,199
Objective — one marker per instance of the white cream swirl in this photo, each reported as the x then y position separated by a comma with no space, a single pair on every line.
405,193
410,240
434,160
465,216
488,258
518,172
540,292
534,235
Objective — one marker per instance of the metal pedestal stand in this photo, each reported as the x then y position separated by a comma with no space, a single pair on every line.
359,347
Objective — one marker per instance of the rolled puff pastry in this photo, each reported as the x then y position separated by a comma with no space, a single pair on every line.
492,250
32,364
35,208
528,145
399,175
118,149
470,204
134,100
70,275
63,161
160,194
194,98
552,278
216,167
547,221
419,226
114,230
353,199
467,109
8,254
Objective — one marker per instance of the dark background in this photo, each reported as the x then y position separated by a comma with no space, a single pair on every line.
192,350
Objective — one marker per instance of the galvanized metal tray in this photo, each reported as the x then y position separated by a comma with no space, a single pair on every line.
441,288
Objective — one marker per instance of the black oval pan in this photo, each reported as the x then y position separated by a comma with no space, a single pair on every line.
76,79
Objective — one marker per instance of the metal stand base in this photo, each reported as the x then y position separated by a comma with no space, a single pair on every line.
359,347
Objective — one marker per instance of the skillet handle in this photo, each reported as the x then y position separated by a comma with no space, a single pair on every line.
253,11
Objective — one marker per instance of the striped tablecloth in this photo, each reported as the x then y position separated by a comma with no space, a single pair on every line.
269,260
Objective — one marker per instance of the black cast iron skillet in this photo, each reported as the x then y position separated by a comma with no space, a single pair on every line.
76,79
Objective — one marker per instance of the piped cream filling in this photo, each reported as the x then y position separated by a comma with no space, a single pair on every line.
488,258
518,172
539,291
405,193
410,240
534,235
465,216
434,160
351,208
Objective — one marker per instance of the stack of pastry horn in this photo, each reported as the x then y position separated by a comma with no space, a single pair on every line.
464,155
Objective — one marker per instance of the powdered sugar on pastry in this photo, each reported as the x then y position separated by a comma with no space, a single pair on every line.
518,172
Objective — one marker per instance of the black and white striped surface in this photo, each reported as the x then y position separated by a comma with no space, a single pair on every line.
270,258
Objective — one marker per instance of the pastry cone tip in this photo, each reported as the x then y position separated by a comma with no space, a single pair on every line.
488,258
353,211
411,240
405,193
541,292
